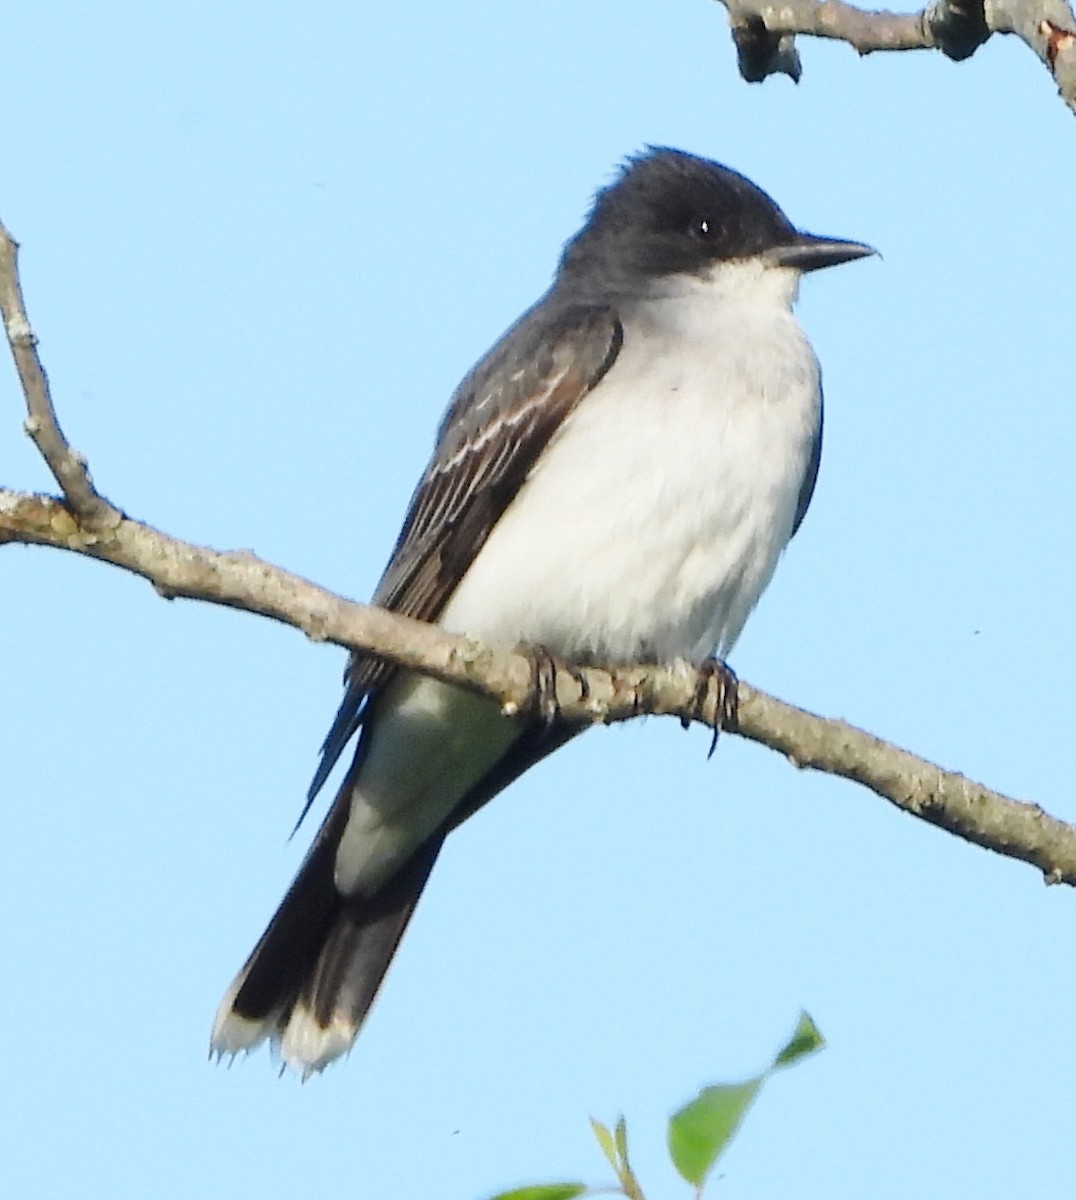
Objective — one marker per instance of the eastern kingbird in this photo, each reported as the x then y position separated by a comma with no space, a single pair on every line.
614,481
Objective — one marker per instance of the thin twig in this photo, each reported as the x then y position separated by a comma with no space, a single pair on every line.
67,465
764,32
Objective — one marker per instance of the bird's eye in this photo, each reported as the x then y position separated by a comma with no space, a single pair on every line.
705,229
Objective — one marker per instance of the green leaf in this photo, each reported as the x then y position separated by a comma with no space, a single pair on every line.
701,1130
621,1136
605,1140
544,1191
806,1040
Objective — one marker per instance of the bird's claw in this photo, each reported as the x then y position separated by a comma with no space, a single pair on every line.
543,701
717,685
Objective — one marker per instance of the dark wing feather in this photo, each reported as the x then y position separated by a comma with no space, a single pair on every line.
501,417
810,478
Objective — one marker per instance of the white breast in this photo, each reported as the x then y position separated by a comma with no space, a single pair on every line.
655,518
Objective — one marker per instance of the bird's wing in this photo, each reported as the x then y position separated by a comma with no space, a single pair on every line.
501,417
810,477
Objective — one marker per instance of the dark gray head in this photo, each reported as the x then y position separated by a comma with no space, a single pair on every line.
671,213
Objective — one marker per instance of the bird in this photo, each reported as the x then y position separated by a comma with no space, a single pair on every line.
614,482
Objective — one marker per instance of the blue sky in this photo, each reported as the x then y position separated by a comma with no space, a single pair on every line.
260,247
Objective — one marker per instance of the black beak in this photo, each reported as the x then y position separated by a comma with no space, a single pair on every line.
810,253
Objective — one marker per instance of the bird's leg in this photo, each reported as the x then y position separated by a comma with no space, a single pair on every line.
716,680
543,694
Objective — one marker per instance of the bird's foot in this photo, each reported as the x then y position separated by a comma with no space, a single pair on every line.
543,702
717,686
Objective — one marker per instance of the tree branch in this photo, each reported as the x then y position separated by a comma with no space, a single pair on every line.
587,695
765,45
67,466
85,523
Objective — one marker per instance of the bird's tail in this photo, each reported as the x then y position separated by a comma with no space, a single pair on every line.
312,977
